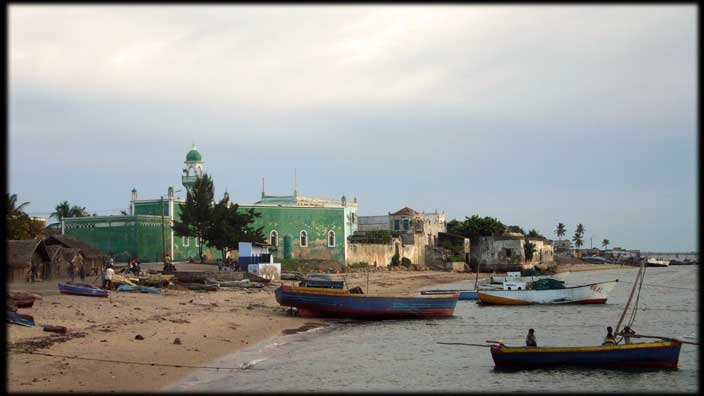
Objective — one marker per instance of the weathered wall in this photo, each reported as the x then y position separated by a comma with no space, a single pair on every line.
380,254
500,253
316,221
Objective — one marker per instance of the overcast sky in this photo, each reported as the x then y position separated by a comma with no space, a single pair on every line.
531,114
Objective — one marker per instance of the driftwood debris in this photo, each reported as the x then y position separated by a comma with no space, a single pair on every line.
55,329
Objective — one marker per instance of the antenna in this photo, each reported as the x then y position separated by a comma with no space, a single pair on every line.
262,187
295,183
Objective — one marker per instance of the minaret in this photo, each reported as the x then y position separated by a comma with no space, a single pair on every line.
193,170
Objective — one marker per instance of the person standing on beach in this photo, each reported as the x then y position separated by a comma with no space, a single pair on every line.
530,339
74,268
107,278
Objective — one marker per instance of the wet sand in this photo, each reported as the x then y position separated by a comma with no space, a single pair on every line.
208,324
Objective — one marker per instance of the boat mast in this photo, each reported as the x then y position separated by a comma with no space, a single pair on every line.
639,279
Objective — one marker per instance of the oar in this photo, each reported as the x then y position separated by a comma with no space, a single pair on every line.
663,338
462,343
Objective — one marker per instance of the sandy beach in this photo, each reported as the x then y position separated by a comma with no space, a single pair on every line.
208,324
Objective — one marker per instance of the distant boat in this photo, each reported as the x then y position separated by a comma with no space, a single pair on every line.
595,293
139,289
82,289
653,262
594,259
311,301
659,354
464,294
516,277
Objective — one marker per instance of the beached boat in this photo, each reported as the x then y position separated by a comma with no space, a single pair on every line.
595,293
138,289
20,319
464,294
660,354
311,301
516,277
324,284
594,259
82,289
653,262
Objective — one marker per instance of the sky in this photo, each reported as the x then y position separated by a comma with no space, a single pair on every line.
534,114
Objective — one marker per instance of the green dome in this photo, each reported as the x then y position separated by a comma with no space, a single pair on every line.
193,155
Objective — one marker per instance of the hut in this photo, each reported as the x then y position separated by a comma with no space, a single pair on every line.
93,259
22,254
57,260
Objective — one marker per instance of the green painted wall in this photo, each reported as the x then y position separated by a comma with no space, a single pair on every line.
151,208
316,221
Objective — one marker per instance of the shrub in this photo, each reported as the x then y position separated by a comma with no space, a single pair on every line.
406,262
358,266
395,260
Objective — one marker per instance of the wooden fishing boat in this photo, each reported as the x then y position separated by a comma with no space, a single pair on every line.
138,289
464,294
659,354
312,301
653,262
595,293
82,289
20,319
516,277
324,284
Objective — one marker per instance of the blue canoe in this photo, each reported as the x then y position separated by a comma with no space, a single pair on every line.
311,301
138,289
464,294
660,354
20,319
82,289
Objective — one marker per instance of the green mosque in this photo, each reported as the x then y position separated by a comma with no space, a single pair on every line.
295,226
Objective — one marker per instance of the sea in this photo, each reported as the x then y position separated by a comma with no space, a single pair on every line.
404,355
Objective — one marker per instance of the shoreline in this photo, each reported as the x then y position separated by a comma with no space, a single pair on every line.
210,325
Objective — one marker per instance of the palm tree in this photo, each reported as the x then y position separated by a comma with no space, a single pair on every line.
12,208
560,231
605,243
577,239
78,211
63,210
580,229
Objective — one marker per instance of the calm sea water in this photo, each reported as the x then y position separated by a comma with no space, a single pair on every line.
404,355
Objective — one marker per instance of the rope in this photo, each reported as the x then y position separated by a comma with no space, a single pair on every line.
137,363
462,343
666,287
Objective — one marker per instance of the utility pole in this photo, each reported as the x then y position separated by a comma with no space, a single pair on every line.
163,240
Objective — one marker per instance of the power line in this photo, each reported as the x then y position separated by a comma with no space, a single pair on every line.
244,367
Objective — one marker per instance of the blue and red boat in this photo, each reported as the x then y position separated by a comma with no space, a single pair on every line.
659,354
464,294
82,289
312,301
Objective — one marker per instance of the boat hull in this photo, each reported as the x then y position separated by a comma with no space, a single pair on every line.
464,294
81,289
342,303
24,302
561,276
596,293
663,354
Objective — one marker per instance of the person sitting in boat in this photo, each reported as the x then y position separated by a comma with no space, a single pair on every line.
530,339
609,339
627,333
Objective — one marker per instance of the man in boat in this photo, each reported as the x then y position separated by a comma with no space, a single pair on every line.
627,333
530,339
609,339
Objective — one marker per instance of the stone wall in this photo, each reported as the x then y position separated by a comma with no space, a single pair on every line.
380,255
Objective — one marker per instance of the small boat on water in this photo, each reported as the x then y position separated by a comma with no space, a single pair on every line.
464,294
312,301
659,354
595,293
82,289
516,277
653,262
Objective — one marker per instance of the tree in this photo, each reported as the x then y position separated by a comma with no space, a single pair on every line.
577,238
535,234
580,229
475,226
19,224
63,210
229,225
560,231
515,228
528,249
605,243
12,208
196,213
78,211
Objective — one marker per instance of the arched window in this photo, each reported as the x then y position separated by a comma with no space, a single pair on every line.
331,238
304,239
274,238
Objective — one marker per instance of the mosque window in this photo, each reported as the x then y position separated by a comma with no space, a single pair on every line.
185,241
331,238
274,238
304,239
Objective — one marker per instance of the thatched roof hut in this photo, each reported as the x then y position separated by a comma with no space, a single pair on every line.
22,254
93,259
